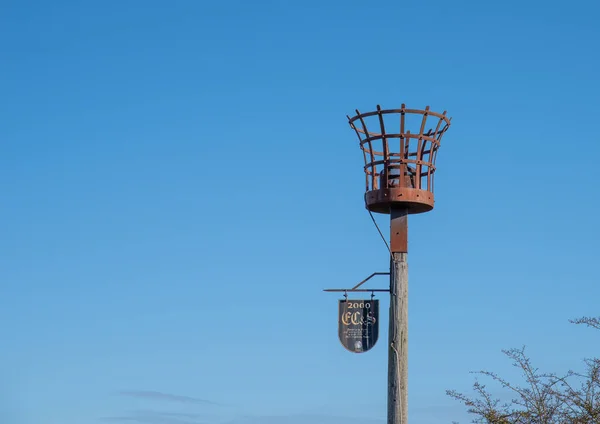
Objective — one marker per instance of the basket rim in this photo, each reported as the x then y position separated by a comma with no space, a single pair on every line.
402,111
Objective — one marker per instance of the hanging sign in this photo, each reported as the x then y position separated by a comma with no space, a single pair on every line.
358,324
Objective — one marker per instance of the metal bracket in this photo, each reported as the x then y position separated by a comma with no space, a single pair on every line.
356,287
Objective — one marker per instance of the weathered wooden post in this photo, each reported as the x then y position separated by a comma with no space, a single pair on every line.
399,170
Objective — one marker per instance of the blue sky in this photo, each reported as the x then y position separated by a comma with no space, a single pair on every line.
179,183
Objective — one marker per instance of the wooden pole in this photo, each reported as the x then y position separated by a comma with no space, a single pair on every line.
398,330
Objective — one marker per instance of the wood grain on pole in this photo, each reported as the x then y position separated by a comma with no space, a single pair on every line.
398,341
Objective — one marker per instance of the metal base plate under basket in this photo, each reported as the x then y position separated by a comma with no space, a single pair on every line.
415,200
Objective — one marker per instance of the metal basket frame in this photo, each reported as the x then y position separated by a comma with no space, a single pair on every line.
400,163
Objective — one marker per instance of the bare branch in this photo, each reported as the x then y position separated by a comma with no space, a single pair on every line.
543,398
593,322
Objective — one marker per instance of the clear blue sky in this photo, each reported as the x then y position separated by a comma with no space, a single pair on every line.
179,182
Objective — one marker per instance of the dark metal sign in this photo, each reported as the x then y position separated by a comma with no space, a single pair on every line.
358,324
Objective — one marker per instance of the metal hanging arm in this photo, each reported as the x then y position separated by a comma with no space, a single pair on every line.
356,287
368,278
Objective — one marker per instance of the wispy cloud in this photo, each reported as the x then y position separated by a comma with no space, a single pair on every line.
304,419
149,420
156,417
147,394
191,415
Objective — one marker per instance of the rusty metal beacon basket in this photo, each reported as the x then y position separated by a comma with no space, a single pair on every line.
399,147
